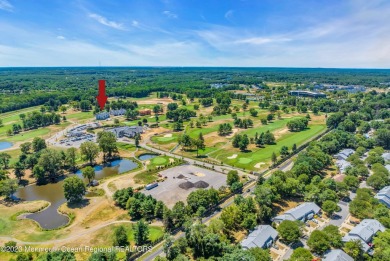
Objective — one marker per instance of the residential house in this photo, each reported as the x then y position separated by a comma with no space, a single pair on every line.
126,131
344,154
336,255
364,232
102,116
302,212
342,165
384,196
386,156
118,112
263,236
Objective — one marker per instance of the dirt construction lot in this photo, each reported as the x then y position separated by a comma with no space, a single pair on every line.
182,180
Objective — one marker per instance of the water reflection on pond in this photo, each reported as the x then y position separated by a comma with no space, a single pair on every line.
54,193
5,145
147,156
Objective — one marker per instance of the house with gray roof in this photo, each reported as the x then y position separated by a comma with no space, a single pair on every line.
364,232
344,154
336,255
126,131
342,165
118,112
102,116
263,236
384,196
302,212
386,156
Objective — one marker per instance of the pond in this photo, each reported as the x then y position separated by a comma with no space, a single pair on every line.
5,145
147,156
49,218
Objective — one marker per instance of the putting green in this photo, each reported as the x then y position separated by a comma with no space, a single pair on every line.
244,160
159,160
165,139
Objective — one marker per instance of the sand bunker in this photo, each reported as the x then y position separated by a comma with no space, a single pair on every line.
258,165
201,184
186,185
171,160
199,174
233,156
168,135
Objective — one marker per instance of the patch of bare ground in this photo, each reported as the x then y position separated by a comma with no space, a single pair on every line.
286,204
103,212
155,131
213,138
164,101
123,182
280,132
234,131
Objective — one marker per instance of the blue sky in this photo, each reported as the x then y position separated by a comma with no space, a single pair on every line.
285,33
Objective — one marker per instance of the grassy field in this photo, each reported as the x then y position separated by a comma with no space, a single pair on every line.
271,126
249,159
23,136
145,177
165,140
79,115
194,132
10,118
126,146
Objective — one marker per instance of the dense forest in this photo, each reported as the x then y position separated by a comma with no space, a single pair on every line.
25,87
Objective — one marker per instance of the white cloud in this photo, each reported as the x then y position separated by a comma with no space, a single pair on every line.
169,14
261,40
229,14
106,22
60,37
5,5
135,23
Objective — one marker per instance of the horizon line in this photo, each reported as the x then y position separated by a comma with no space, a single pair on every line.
178,66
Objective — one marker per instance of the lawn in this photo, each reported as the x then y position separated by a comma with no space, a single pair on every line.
126,146
271,126
10,118
160,160
79,115
194,132
204,152
145,177
23,136
165,140
249,159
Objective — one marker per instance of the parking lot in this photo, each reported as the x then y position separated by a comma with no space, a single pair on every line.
74,137
182,180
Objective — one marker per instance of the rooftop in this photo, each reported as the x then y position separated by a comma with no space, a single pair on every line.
336,255
260,237
386,156
364,232
298,212
384,195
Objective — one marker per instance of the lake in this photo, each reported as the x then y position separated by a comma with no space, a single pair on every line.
49,218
